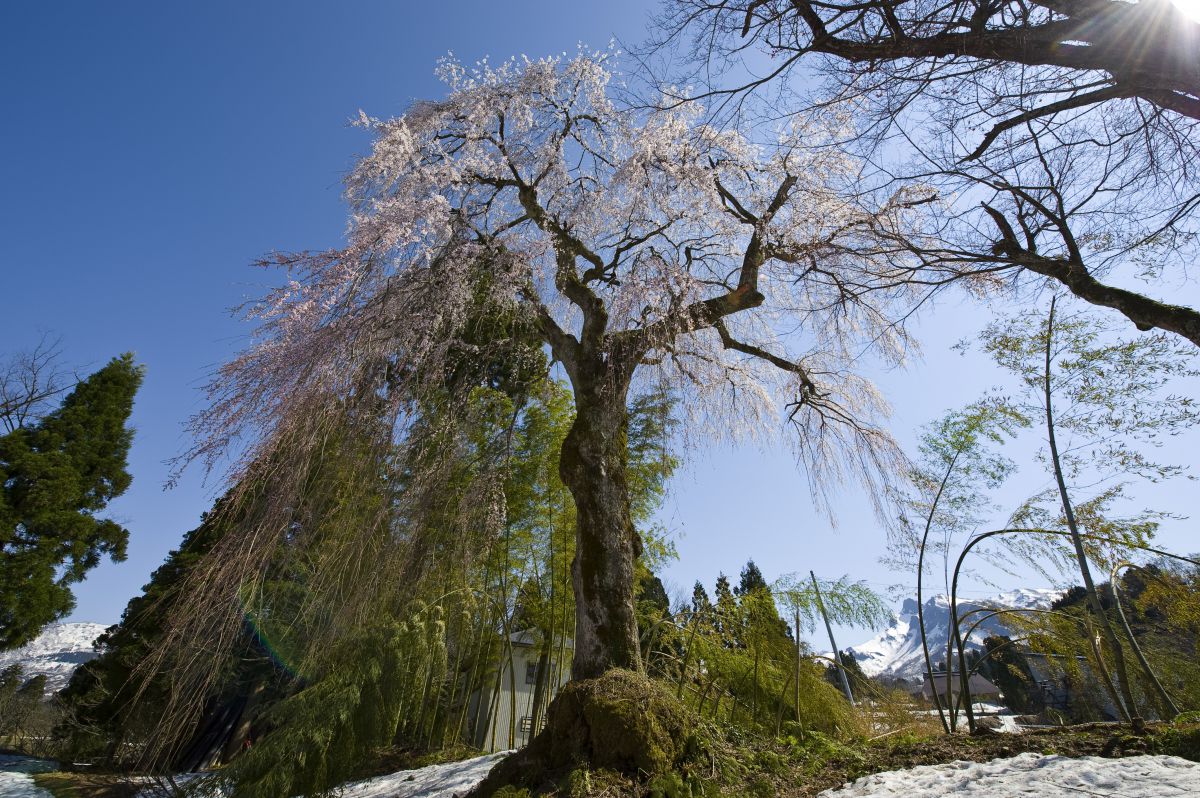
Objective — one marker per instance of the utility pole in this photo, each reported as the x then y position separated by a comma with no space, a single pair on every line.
837,655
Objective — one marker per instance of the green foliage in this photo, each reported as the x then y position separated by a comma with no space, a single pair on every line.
509,791
848,603
737,661
324,730
124,702
363,655
101,692
19,698
1009,670
956,467
1111,406
811,750
1163,605
449,624
27,711
859,683
651,460
1182,739
55,476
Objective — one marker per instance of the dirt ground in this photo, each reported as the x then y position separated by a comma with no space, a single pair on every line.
86,785
796,780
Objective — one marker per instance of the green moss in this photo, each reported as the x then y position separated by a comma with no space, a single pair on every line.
583,782
815,750
762,787
771,762
622,722
622,727
79,785
511,792
668,785
677,784
1177,741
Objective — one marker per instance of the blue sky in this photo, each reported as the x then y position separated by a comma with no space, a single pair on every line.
152,150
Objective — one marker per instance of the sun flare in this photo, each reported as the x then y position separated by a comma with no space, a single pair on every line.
1189,7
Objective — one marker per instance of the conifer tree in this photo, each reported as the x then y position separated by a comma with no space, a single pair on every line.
1008,669
727,611
859,683
101,694
750,580
55,476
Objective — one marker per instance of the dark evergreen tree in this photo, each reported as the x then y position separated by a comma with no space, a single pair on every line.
751,580
752,585
109,706
1074,597
55,476
1008,669
728,616
701,603
10,681
859,682
19,700
653,611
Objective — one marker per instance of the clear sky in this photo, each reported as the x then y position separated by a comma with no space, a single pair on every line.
149,151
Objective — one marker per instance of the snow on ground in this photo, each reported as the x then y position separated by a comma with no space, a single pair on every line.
15,778
436,781
450,780
1034,775
1021,776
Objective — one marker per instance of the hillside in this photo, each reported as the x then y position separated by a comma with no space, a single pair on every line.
57,652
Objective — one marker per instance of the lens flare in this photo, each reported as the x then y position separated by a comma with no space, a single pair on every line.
1189,7
272,637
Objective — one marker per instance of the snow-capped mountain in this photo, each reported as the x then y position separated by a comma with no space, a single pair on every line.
57,652
896,651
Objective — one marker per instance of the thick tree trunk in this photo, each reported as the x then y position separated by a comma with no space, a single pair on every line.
593,467
241,729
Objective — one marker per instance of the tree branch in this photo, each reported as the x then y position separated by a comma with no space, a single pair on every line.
808,388
1144,312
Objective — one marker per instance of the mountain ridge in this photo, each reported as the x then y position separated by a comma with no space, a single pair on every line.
56,652
896,651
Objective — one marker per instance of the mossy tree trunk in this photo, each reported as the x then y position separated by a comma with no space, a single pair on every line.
593,466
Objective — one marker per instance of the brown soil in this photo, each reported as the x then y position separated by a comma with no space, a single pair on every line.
87,785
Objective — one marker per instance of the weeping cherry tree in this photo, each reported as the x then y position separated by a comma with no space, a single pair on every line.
634,245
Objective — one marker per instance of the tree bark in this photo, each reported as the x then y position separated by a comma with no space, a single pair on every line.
593,466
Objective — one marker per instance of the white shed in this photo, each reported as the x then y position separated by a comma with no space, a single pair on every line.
529,679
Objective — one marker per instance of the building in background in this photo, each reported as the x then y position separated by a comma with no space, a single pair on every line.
513,709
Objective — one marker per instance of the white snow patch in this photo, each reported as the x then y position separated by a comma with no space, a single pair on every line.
436,781
449,780
1034,775
16,780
